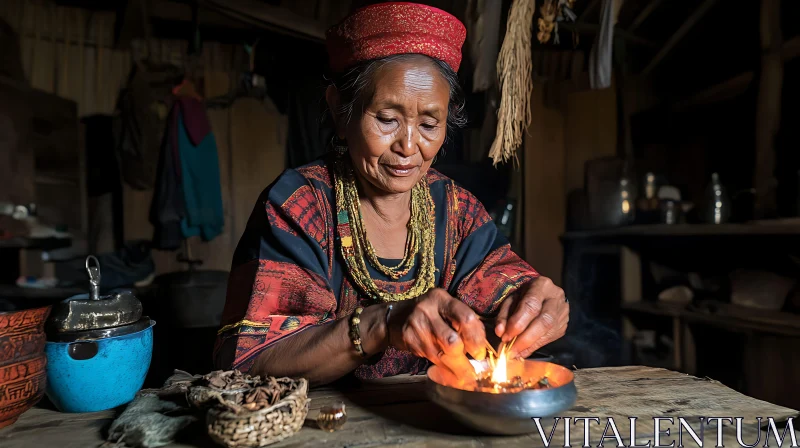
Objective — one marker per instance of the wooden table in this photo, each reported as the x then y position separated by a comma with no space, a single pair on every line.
395,411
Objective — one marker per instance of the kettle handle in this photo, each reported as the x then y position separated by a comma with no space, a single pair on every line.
94,277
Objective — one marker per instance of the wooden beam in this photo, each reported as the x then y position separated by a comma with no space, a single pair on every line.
593,4
182,12
768,108
729,88
268,17
790,49
682,31
649,9
591,28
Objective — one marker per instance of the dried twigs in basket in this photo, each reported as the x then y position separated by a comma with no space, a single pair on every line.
270,413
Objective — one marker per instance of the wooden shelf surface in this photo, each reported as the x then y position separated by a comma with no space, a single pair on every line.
35,243
56,294
724,315
756,228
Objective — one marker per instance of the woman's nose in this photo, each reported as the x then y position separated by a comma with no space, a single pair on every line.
408,142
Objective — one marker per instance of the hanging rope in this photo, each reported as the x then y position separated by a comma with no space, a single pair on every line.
516,84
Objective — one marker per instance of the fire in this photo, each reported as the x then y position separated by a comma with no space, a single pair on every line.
493,374
499,370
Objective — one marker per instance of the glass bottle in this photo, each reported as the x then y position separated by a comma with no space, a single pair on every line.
626,202
718,203
649,186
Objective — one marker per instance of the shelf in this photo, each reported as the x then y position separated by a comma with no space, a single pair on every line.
35,243
57,180
656,308
756,228
724,315
15,292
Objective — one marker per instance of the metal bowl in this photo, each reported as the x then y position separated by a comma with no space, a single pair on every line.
506,413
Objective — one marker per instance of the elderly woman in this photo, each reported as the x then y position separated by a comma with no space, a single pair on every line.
369,261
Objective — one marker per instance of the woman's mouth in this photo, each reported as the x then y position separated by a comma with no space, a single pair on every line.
400,170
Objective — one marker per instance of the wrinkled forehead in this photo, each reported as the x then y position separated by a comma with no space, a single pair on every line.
411,77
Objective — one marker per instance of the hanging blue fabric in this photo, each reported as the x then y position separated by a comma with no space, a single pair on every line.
201,185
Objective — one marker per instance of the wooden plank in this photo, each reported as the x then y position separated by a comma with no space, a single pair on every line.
727,89
770,368
723,315
258,156
592,28
544,183
590,131
790,49
654,308
754,229
649,8
739,318
768,108
682,31
395,412
269,17
631,286
218,253
16,155
593,4
689,349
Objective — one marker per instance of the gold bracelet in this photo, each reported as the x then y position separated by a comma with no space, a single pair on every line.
355,334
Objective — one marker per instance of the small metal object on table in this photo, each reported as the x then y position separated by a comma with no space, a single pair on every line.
395,411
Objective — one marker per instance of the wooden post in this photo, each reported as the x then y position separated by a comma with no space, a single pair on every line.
689,350
677,344
768,107
631,287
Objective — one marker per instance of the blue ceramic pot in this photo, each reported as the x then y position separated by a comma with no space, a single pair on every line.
99,369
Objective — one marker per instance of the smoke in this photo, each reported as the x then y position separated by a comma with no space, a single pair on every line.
587,342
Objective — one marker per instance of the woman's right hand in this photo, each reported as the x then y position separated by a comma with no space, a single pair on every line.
440,328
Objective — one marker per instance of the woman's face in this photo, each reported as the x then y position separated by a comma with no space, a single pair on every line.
403,126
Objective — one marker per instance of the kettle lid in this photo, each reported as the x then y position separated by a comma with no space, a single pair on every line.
93,311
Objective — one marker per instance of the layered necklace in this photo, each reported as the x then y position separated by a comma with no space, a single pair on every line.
357,250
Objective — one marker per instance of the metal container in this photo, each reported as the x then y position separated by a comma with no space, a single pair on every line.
98,369
98,348
506,413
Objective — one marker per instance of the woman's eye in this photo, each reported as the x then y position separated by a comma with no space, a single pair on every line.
386,120
428,126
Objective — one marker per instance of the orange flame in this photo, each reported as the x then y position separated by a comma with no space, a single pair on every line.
499,372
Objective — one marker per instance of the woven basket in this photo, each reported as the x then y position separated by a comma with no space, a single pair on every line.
203,397
263,427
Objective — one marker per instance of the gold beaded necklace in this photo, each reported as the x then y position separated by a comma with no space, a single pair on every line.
357,250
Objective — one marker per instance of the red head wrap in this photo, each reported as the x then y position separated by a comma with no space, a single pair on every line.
392,28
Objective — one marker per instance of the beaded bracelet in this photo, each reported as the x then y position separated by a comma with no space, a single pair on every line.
355,334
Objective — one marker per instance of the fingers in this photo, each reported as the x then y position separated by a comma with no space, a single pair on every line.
502,317
443,329
418,339
546,321
527,308
469,327
449,377
439,343
458,364
446,338
551,336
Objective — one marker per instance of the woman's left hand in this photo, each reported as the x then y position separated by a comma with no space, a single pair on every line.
536,316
